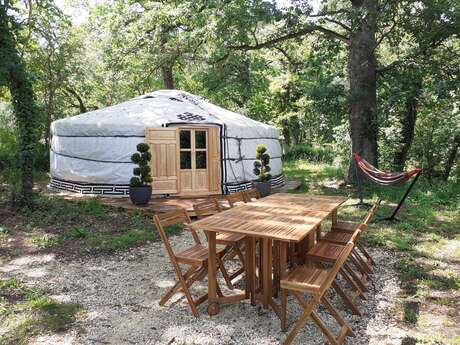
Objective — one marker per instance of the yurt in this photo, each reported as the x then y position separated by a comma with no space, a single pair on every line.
197,148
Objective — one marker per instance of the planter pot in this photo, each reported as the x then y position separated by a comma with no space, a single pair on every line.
264,188
140,195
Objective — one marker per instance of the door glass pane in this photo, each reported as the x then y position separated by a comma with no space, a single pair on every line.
201,159
185,160
200,139
185,139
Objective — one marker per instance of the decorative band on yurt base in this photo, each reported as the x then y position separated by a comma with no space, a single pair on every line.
123,189
276,181
90,188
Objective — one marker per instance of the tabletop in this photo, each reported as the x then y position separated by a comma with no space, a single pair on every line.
282,217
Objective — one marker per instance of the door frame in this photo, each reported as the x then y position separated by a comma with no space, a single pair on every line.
205,127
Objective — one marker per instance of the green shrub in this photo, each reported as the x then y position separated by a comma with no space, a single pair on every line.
320,154
141,173
261,167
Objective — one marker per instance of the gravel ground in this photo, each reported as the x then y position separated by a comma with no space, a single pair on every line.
120,295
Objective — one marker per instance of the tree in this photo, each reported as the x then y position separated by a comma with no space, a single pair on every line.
362,25
13,74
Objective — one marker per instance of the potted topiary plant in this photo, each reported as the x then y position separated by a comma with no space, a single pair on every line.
262,171
140,191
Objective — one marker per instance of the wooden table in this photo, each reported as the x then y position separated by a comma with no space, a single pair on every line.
284,218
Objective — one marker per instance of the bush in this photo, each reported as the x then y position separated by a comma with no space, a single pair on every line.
320,154
261,167
141,173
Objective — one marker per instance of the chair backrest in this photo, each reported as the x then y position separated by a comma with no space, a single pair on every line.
251,193
163,220
357,233
235,197
207,208
337,265
371,212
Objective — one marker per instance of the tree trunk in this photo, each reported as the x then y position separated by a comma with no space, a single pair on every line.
168,78
13,72
167,65
362,79
452,155
408,120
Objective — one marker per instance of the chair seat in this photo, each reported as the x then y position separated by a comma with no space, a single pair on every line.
345,226
229,238
339,237
196,255
325,251
304,278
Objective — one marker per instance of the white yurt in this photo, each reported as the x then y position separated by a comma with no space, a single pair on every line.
197,148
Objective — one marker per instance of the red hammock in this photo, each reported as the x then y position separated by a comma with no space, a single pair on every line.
382,177
385,179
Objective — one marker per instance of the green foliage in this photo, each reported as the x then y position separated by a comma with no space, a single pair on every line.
318,154
45,241
143,147
142,173
261,167
14,75
78,232
29,312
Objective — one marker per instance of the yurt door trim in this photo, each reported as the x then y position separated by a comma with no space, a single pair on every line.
185,160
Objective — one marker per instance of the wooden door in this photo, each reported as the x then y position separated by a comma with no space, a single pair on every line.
164,162
198,153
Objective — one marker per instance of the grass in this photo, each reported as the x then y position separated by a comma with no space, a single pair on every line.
26,312
79,227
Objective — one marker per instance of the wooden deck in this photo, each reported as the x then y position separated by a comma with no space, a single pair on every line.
160,204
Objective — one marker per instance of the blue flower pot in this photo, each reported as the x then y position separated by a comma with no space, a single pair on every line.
140,195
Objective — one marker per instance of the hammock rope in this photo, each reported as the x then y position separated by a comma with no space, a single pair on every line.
385,178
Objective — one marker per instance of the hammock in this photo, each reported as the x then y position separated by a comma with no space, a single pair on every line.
385,178
382,177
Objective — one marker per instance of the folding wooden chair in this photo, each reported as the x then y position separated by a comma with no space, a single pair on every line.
325,252
235,198
315,281
195,256
342,232
232,242
251,194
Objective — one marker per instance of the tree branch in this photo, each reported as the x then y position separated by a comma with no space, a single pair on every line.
277,40
344,26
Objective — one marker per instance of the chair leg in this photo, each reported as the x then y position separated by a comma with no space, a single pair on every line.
177,286
363,261
357,282
359,262
227,279
334,312
330,337
188,295
348,302
366,254
308,308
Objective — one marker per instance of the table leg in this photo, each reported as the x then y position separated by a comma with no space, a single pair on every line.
267,269
309,243
213,305
334,218
251,269
283,273
318,232
276,268
260,271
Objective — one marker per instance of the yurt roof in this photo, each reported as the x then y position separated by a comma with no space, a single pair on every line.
157,109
